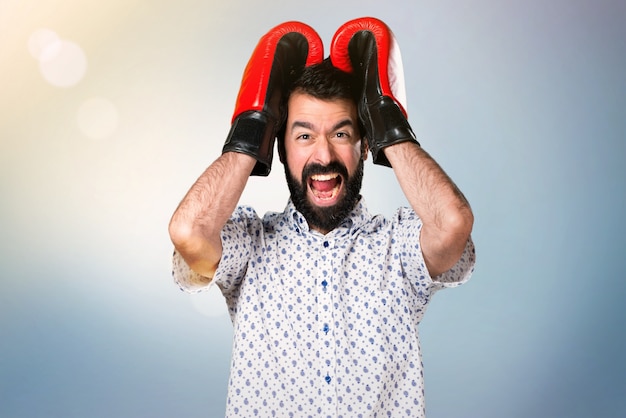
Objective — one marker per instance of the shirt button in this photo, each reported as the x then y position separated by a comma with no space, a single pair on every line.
326,244
324,283
326,328
327,379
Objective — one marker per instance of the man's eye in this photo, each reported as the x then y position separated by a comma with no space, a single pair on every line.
304,136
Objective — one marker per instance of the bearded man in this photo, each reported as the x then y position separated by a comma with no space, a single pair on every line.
325,298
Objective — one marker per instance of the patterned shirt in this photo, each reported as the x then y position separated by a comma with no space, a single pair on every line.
325,325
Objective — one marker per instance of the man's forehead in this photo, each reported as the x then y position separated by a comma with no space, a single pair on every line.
306,109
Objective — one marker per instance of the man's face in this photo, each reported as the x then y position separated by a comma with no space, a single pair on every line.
323,159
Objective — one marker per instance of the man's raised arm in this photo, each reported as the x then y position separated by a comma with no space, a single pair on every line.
446,215
199,218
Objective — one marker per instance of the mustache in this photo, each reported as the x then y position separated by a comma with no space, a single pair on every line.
315,168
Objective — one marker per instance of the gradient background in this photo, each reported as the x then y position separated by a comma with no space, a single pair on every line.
522,102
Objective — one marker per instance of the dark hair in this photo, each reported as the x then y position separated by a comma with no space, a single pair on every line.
323,81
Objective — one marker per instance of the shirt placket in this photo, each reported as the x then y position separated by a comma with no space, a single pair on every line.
326,329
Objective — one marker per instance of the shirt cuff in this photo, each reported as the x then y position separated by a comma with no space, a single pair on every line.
188,280
461,271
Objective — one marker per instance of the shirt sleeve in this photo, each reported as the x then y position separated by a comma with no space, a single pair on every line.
187,280
236,250
461,271
237,247
413,259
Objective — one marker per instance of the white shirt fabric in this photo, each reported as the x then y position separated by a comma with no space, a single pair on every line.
325,325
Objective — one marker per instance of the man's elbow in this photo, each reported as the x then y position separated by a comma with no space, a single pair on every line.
180,233
458,225
465,223
201,255
457,233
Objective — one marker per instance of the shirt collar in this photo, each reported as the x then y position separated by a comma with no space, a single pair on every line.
359,218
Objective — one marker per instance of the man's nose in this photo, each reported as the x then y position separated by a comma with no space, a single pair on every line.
324,152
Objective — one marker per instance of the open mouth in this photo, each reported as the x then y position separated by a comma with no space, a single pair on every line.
325,187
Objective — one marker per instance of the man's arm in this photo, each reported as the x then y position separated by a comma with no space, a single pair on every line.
197,222
447,218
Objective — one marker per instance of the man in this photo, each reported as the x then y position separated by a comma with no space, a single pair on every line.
325,299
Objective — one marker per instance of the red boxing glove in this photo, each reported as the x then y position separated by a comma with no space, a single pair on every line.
276,62
367,48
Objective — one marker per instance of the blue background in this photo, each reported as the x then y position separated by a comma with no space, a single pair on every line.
522,103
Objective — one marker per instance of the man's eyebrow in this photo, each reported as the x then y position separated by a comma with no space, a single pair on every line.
301,124
343,123
309,125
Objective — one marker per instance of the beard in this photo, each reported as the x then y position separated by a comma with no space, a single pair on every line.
325,218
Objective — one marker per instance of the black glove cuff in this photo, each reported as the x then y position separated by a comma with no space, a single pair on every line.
387,126
253,133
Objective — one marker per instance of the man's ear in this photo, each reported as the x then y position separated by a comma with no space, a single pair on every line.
364,148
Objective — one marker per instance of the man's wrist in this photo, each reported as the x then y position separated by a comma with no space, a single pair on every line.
399,148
